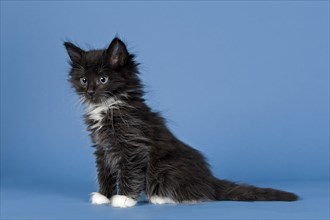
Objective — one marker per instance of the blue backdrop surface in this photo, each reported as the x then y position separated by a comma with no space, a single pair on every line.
245,82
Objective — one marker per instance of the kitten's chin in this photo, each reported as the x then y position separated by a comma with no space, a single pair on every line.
96,100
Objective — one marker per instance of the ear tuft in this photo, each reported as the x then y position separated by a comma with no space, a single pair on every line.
75,53
117,52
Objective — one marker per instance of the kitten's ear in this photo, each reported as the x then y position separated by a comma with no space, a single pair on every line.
117,52
75,53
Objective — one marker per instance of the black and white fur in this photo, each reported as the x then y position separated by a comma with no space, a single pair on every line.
135,152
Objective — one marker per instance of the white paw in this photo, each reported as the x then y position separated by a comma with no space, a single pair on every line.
161,200
120,201
99,199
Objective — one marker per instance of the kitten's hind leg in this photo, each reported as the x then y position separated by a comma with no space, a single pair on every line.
161,200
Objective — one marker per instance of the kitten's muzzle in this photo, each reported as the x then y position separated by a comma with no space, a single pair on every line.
91,93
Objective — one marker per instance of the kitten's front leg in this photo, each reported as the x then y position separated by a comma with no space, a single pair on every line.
131,184
106,181
132,177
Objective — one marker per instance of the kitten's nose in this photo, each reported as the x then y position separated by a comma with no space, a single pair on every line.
91,93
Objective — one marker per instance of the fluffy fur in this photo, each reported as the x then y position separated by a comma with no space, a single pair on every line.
135,151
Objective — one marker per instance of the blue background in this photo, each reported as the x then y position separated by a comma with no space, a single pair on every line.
245,82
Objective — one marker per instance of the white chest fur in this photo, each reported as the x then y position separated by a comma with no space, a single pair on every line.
96,112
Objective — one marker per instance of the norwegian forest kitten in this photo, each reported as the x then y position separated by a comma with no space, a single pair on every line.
135,151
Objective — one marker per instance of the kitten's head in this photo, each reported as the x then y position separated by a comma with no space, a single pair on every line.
97,75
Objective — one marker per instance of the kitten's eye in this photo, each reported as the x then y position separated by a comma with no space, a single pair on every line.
83,81
104,79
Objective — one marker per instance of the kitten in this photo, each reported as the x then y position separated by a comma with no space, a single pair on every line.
135,151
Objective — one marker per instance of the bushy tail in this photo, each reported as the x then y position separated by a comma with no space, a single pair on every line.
227,190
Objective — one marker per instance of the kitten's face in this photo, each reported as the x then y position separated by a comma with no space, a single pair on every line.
98,75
